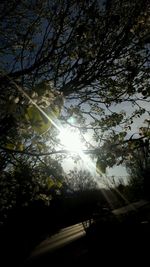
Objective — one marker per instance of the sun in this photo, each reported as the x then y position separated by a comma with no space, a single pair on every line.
71,140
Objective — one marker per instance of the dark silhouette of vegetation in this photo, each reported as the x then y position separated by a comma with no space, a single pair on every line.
92,55
80,180
139,170
137,185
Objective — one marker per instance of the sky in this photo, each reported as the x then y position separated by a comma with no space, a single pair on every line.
117,171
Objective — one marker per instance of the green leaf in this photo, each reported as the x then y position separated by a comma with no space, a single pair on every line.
20,147
10,146
101,166
50,182
38,121
58,184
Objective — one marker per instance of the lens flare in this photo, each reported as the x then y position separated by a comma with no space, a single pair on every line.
71,140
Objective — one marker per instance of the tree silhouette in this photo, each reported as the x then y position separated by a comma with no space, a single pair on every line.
80,180
92,55
138,167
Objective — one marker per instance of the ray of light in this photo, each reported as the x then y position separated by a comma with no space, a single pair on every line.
73,146
40,109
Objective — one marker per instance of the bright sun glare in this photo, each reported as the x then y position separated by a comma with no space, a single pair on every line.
71,140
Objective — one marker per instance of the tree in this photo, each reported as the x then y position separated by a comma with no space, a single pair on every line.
94,56
138,167
28,182
80,180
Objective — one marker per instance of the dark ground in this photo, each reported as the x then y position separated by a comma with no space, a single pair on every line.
121,242
115,243
110,246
